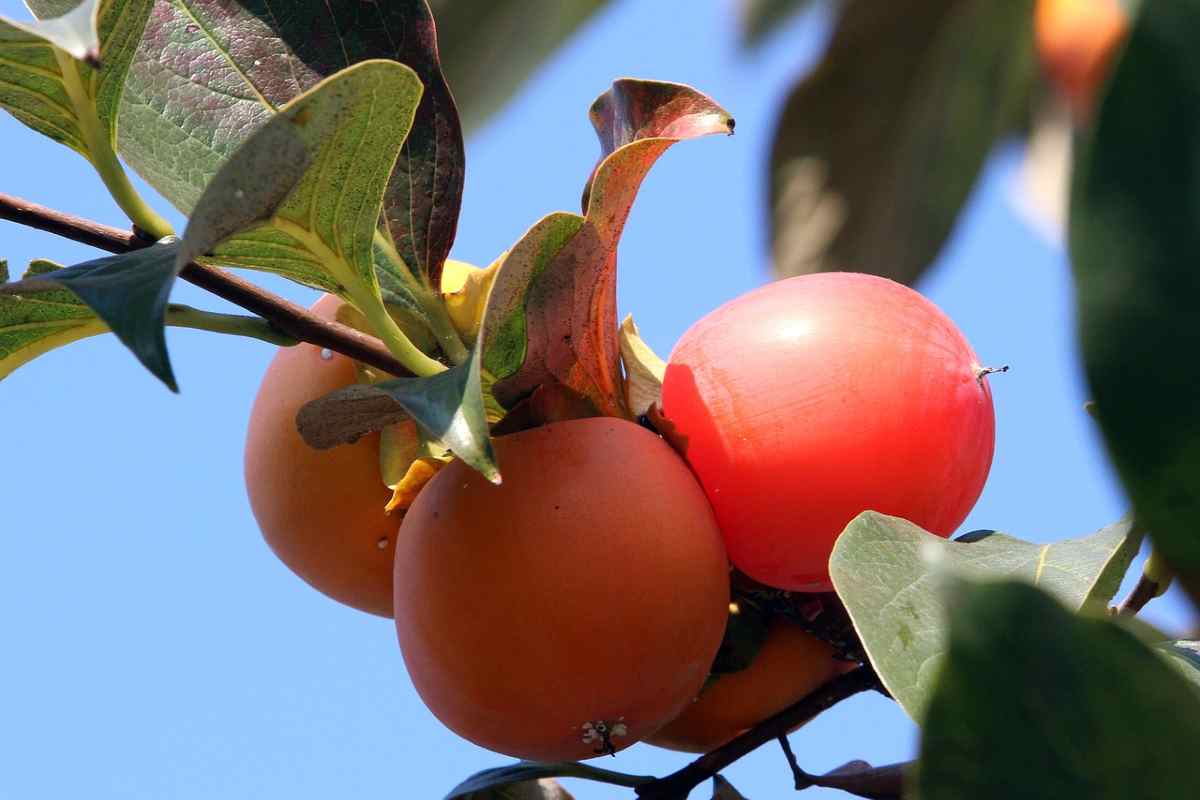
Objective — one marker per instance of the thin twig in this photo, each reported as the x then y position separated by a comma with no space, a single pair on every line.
286,316
1145,591
801,778
677,785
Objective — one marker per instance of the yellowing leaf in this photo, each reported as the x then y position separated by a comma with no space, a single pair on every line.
644,370
465,290
419,473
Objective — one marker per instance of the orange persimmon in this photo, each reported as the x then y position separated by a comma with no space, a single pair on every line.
572,610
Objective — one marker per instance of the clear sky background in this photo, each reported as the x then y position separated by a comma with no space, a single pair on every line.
151,646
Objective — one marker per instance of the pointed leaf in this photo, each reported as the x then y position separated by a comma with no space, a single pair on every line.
35,323
523,771
209,72
878,148
887,573
1034,702
553,312
1134,243
66,100
129,292
248,188
724,790
353,125
449,408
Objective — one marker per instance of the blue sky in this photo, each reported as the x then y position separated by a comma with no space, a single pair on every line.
154,647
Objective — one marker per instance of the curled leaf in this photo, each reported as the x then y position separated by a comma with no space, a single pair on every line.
553,311
644,370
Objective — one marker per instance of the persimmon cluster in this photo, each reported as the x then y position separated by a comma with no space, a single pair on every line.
578,607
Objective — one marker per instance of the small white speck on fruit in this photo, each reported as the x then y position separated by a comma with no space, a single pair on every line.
239,194
326,354
602,732
382,543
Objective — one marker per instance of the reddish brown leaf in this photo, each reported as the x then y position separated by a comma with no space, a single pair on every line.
553,311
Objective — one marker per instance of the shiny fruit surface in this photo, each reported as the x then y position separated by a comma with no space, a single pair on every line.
572,610
790,665
807,401
321,512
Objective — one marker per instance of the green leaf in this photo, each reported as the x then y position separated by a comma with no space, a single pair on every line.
532,770
759,17
1185,657
325,233
888,571
64,99
1134,243
552,313
248,188
488,49
449,408
210,72
128,292
878,148
1034,702
35,323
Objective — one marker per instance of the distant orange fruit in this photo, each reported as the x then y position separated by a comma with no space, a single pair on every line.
573,609
790,665
1075,41
322,512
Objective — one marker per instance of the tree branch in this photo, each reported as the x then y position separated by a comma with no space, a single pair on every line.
287,317
677,785
1145,591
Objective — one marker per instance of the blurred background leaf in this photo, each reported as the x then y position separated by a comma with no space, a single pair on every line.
877,186
489,49
1033,702
1134,244
759,17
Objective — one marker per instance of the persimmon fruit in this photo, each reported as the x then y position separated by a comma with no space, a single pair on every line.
790,665
1075,41
809,400
320,511
572,610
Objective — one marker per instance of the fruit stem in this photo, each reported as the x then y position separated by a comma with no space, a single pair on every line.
983,372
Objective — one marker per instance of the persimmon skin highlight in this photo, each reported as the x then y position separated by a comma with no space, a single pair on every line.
809,400
790,665
590,587
320,511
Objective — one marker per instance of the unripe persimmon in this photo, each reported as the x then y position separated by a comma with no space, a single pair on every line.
321,511
790,665
572,610
1075,42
